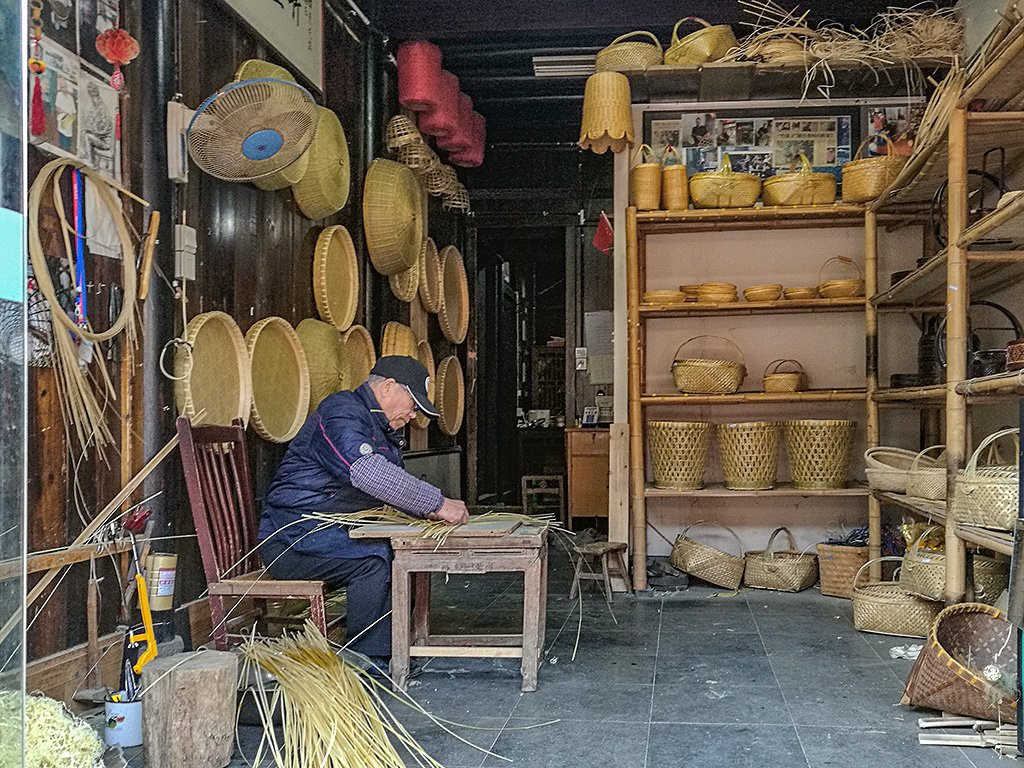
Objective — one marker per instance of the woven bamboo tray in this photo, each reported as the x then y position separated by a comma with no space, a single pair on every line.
426,357
454,310
819,451
988,496
884,608
392,216
451,395
706,562
799,294
326,357
336,277
323,188
679,453
768,292
359,356
625,55
212,371
405,284
280,379
782,570
749,452
430,278
398,339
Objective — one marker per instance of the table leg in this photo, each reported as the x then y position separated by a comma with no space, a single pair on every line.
421,606
543,620
532,608
400,624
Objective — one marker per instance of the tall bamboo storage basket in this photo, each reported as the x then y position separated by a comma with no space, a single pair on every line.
706,562
750,454
708,44
988,496
336,277
707,376
724,188
451,395
679,453
607,113
675,191
213,383
782,570
819,451
885,608
645,180
866,178
280,379
326,359
625,55
324,187
838,565
801,187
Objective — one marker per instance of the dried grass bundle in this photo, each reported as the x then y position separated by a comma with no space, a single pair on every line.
902,34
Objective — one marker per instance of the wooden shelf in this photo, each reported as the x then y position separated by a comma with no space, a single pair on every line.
1003,384
782,490
997,541
762,217
926,286
918,396
739,398
1005,225
781,307
926,508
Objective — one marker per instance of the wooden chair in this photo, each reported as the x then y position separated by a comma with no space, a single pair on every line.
536,489
220,492
612,557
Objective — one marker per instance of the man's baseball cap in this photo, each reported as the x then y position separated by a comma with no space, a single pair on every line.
410,373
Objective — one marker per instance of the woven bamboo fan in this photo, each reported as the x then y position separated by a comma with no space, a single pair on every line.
426,357
451,395
398,339
401,131
404,284
392,216
336,277
359,356
256,69
708,44
419,158
326,357
454,310
213,371
280,379
323,189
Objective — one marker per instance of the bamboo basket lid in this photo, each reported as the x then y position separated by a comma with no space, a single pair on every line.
323,188
360,356
255,69
280,379
454,311
392,216
405,284
426,357
398,339
287,176
212,371
326,359
430,277
336,277
451,395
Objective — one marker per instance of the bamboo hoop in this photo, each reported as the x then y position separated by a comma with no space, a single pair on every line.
213,378
279,379
336,277
451,394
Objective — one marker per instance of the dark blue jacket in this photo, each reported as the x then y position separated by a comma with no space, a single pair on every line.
314,475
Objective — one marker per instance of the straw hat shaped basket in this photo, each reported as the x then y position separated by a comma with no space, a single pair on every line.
326,358
777,380
866,178
968,666
926,478
212,371
426,357
625,55
645,179
454,310
679,453
838,565
405,284
401,131
708,44
323,188
607,113
784,570
802,187
451,395
706,562
724,188
360,356
280,379
840,288
430,278
392,216
750,454
885,608
708,376
819,451
887,467
336,277
398,339
675,191
988,495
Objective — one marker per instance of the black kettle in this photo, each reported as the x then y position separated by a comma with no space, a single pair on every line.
981,362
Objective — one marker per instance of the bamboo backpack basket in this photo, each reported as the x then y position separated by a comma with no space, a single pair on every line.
645,180
800,187
360,356
392,216
842,288
398,339
724,188
323,188
679,453
777,380
706,562
675,191
926,478
607,113
625,55
336,277
326,358
451,395
708,376
426,357
280,379
430,278
866,178
887,468
454,310
967,666
838,565
885,608
988,496
750,454
784,570
212,378
819,451
710,43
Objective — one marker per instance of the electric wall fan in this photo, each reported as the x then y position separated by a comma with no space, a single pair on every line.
252,128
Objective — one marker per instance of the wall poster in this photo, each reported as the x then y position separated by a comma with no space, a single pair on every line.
293,27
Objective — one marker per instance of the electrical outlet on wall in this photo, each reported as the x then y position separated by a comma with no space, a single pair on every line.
581,358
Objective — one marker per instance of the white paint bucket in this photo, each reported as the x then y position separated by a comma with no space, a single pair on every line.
124,723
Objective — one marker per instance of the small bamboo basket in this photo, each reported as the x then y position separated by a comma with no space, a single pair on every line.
645,180
675,191
625,55
607,113
724,188
457,200
988,495
280,380
926,478
679,453
708,376
887,468
419,158
819,451
400,132
785,570
767,292
885,608
844,288
750,454
799,294
924,570
866,178
838,565
710,43
802,187
706,562
439,180
777,380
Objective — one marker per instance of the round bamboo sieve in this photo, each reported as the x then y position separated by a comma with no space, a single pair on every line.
336,277
323,189
454,312
213,371
404,284
426,356
392,216
451,395
280,379
325,359
398,339
430,278
360,356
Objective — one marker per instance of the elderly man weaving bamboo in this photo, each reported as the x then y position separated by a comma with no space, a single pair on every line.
348,457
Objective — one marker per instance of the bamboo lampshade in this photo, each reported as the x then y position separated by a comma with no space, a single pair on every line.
451,395
326,358
607,116
454,310
405,284
212,371
360,356
280,379
430,278
392,216
336,277
426,356
398,339
323,188
256,69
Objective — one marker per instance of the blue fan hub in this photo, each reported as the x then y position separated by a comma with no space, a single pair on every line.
262,144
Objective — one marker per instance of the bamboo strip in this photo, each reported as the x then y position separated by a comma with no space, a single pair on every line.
1012,48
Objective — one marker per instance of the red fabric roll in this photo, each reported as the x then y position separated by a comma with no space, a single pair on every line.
461,138
473,156
443,119
419,75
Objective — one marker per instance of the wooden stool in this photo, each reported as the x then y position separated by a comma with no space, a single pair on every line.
612,556
534,486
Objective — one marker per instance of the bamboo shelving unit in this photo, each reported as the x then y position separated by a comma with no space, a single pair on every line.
781,307
742,398
781,490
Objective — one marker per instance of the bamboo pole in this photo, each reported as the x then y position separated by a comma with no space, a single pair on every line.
997,218
1011,382
1009,52
806,396
871,385
957,301
638,509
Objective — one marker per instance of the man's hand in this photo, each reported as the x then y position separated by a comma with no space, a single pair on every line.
452,512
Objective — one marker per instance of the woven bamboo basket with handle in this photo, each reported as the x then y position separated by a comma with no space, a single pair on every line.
844,287
837,567
784,570
924,570
360,356
750,454
724,188
336,277
991,577
706,562
213,380
326,358
451,395
885,608
800,187
454,311
625,55
675,190
392,216
819,451
280,379
645,180
710,43
679,453
866,178
927,479
323,188
708,376
989,496
887,467
775,379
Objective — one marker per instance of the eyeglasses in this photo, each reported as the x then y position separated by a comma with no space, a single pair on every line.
415,405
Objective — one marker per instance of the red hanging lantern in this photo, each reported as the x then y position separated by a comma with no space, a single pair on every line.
473,156
461,138
442,121
118,48
36,65
419,75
